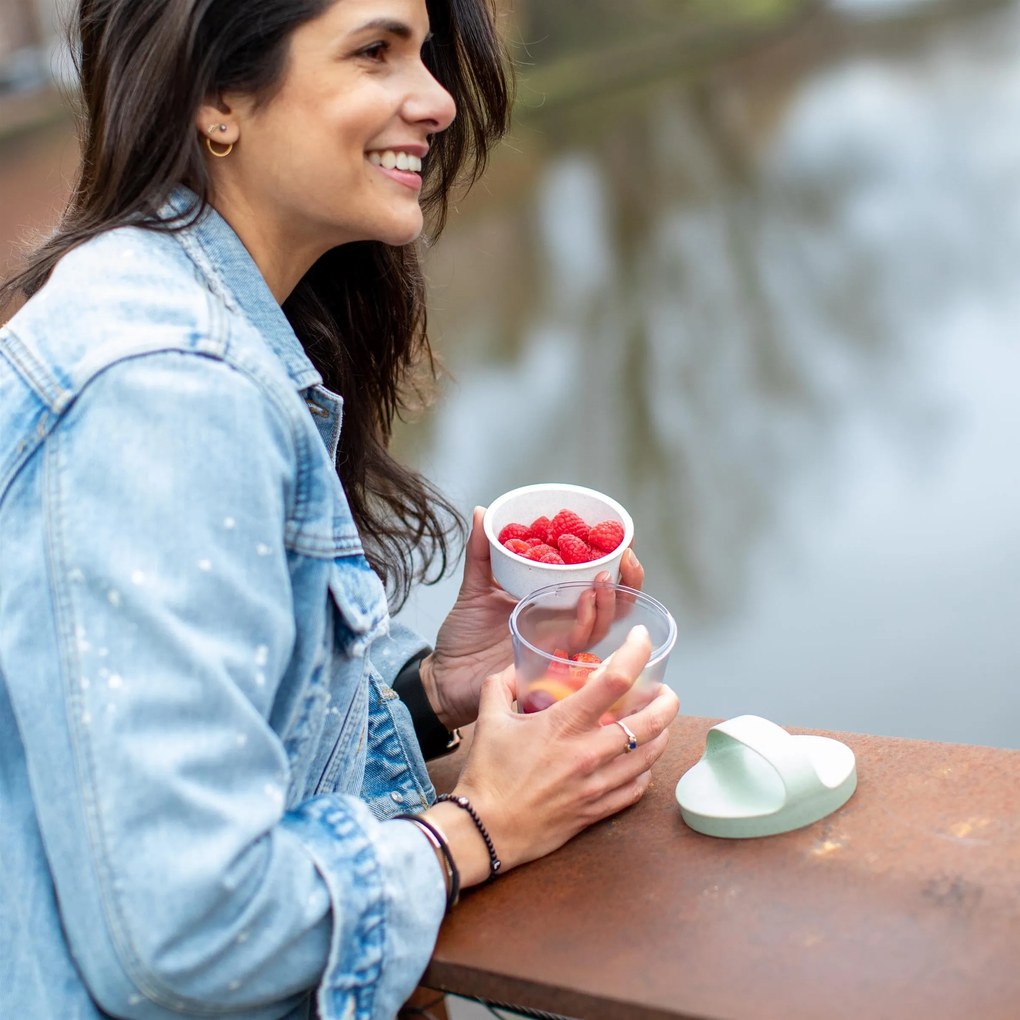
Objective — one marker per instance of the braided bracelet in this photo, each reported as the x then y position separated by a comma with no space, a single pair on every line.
435,836
462,802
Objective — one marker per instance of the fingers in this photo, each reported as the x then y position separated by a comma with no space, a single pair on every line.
626,765
609,682
645,724
544,777
640,737
605,607
596,613
654,717
582,636
599,607
632,574
621,797
623,779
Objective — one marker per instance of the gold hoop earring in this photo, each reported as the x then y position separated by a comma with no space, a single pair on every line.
219,155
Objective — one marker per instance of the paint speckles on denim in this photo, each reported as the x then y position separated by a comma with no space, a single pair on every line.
188,645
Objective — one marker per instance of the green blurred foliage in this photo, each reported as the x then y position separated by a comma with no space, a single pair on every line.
548,30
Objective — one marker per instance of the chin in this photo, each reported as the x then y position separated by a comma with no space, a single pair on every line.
400,233
400,240
394,234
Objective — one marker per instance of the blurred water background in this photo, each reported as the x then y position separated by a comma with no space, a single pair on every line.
752,268
762,284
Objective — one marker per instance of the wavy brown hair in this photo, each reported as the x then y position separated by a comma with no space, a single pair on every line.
143,71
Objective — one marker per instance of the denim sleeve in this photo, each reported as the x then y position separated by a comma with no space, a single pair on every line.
390,653
186,887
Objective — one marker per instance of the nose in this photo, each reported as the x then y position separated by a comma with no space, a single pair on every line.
430,104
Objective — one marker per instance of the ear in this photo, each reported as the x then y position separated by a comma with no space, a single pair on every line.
216,120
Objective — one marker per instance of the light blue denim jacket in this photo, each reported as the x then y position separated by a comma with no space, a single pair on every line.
198,745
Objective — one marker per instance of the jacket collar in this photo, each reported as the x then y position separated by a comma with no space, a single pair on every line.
231,273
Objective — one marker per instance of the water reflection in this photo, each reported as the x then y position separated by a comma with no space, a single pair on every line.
779,325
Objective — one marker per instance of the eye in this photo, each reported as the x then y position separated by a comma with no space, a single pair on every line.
375,52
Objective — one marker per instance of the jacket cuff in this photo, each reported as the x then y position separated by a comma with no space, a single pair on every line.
434,738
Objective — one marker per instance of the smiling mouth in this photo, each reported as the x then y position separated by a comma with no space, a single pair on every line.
391,159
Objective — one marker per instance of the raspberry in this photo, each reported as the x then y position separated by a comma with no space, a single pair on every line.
536,552
573,549
559,669
512,531
605,536
564,539
584,660
566,522
541,528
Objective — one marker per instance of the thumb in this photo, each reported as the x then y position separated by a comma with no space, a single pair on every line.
498,693
477,566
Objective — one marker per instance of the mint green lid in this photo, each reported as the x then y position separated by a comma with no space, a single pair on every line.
756,779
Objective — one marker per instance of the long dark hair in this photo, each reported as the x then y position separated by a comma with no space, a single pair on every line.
144,69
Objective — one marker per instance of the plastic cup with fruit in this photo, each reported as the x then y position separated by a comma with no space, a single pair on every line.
550,532
564,632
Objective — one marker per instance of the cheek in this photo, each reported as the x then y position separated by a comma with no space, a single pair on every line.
360,116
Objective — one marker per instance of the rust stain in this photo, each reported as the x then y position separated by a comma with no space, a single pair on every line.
966,828
826,848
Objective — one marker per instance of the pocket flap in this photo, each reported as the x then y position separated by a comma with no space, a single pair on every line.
360,601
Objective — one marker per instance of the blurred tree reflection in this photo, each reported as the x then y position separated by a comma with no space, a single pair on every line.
649,303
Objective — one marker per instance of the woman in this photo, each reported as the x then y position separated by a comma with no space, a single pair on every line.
203,760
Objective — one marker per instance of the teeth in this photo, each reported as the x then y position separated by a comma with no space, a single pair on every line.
395,160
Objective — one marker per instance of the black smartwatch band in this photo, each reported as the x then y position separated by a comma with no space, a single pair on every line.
434,738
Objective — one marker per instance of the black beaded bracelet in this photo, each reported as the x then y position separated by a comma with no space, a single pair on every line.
462,802
438,840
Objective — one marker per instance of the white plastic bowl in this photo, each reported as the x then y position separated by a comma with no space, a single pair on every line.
520,577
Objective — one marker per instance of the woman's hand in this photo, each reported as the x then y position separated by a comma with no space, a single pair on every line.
474,640
537,780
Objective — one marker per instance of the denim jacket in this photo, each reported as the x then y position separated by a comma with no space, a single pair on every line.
198,744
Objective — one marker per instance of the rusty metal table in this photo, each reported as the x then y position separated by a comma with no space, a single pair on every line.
905,903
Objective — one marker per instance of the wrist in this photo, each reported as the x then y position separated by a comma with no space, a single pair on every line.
465,842
427,672
443,853
464,803
434,737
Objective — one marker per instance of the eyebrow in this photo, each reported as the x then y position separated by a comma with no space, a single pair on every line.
388,25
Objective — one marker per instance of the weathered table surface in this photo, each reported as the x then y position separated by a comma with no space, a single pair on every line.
905,903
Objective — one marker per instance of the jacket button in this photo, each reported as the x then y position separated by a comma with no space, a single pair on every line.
397,796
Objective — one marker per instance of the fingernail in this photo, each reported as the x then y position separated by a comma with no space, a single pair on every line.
638,632
633,559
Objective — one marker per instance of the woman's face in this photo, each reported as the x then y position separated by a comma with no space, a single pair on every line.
334,156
